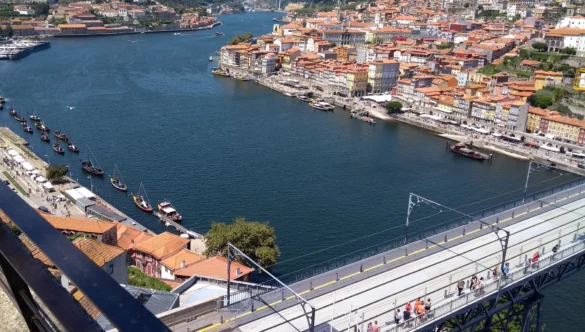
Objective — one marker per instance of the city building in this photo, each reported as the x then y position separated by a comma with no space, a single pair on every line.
101,231
382,75
148,254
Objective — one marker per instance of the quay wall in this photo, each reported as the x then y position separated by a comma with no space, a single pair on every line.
208,27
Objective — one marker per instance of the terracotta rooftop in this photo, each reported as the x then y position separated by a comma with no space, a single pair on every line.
98,252
215,267
83,225
128,236
162,245
184,257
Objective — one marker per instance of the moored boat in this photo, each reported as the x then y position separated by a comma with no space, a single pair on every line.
41,126
34,117
90,168
12,111
166,210
116,180
27,128
218,72
465,150
219,34
60,135
58,148
19,118
72,147
140,201
2,100
321,105
304,98
45,137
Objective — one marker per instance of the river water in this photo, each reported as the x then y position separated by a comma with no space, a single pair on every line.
219,148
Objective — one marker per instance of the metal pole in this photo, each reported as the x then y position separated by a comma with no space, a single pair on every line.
527,179
332,312
229,264
407,217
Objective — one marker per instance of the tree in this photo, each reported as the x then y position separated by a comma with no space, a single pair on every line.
240,38
139,279
253,238
443,46
559,94
394,107
56,172
378,41
539,100
539,46
569,51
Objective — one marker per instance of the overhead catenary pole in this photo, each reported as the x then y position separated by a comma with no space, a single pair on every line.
530,170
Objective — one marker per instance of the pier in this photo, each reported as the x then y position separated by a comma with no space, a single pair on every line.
178,227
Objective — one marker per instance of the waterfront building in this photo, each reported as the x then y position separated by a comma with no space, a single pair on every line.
102,231
230,55
483,109
128,237
148,254
512,115
289,57
557,125
23,30
382,75
214,267
535,114
72,29
111,259
268,64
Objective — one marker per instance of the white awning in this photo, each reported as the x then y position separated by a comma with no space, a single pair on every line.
36,171
47,185
86,193
443,110
168,210
40,179
12,152
379,98
74,194
550,148
26,165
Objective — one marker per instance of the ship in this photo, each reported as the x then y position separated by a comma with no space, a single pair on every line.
34,117
72,147
60,135
140,201
218,34
90,168
116,180
45,137
218,72
27,128
304,98
41,126
323,106
465,149
58,148
167,211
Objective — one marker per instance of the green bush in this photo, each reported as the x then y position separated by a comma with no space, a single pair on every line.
139,279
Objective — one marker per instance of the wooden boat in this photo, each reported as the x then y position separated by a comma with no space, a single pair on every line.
116,180
12,111
465,150
19,118
90,168
72,147
34,117
219,34
41,126
140,201
27,128
166,210
2,100
60,135
58,148
45,137
218,72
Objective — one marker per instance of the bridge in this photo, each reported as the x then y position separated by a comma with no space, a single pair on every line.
371,289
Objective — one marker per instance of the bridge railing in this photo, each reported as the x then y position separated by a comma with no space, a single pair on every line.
516,274
248,294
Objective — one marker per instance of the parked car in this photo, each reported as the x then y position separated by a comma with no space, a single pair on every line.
44,209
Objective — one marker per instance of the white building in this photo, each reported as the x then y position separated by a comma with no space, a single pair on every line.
462,78
558,39
345,37
577,21
268,64
512,11
109,13
404,21
24,10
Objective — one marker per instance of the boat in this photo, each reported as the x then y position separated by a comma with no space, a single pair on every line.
34,117
242,78
217,34
288,94
211,58
1,106
72,147
139,200
166,210
27,128
12,111
177,34
2,100
58,148
116,180
41,126
321,105
464,149
60,135
89,167
45,137
304,98
218,72
581,165
19,118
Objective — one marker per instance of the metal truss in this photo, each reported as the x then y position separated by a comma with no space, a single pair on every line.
520,303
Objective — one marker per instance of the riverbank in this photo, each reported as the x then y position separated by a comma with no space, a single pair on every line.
33,192
207,27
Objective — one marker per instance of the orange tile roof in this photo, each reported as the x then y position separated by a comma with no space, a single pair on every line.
565,32
128,236
36,253
184,257
83,225
215,267
162,245
98,252
72,26
538,111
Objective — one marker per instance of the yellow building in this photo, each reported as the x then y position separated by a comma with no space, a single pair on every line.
534,116
563,127
544,78
357,80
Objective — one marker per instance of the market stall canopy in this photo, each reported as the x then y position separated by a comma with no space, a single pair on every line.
26,165
40,179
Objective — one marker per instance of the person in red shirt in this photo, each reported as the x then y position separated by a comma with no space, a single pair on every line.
407,311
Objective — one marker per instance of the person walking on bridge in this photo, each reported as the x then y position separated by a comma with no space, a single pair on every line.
397,316
407,311
460,286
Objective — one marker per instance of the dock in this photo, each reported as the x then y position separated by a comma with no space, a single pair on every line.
178,227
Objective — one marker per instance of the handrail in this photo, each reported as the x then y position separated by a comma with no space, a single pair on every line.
115,303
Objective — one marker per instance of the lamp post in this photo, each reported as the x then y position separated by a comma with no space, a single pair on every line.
532,169
414,200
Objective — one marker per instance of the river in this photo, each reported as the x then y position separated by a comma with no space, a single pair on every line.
219,148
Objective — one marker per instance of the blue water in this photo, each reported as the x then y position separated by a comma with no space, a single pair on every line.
219,148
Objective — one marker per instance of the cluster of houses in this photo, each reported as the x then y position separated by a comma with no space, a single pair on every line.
421,55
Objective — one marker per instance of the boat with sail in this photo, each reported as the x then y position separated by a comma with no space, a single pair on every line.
58,148
89,167
60,135
167,211
116,180
141,200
